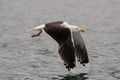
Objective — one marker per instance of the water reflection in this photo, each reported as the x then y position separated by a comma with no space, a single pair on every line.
81,76
115,74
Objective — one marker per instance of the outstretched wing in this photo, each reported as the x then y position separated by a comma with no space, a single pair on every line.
67,53
62,35
80,48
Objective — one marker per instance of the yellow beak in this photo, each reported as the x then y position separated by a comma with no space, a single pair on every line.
82,30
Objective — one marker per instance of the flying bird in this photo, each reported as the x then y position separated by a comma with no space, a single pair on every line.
69,39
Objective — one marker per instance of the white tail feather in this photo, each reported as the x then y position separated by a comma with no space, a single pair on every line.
37,28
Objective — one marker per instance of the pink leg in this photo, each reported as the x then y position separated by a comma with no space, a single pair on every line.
35,35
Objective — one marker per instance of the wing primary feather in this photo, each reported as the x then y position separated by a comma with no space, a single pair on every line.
80,48
67,53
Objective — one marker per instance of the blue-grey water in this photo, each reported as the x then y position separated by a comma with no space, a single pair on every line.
26,58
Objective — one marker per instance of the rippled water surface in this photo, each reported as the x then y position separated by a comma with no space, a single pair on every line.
25,58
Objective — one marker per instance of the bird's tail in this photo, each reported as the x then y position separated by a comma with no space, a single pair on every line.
38,28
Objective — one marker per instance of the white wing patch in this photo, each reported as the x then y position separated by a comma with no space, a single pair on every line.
71,27
72,37
65,24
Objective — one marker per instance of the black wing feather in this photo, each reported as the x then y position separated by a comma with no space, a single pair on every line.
67,53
